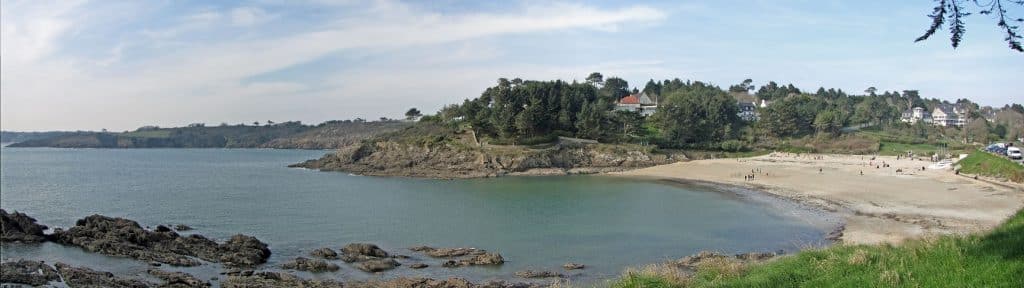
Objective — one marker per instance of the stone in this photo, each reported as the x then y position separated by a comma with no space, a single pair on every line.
325,253
377,265
178,279
573,266
538,274
85,277
29,272
418,266
18,227
311,265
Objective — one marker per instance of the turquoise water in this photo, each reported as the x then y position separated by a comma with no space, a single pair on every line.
607,223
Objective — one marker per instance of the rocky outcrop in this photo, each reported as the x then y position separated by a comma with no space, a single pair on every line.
18,227
447,252
85,277
417,282
691,262
377,265
178,279
182,227
265,279
123,237
488,259
389,158
28,272
325,253
311,265
538,274
357,250
469,256
573,266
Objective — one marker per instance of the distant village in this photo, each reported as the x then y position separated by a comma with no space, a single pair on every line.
945,115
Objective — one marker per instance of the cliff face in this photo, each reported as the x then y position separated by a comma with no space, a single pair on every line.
388,158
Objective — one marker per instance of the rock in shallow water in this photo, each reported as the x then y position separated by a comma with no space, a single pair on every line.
325,253
538,274
123,237
311,265
573,266
477,260
178,279
29,272
18,227
276,280
377,265
85,277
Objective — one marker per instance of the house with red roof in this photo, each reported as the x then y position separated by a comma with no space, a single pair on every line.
641,103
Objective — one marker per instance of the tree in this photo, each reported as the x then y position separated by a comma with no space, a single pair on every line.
697,114
871,90
954,12
595,78
614,89
413,113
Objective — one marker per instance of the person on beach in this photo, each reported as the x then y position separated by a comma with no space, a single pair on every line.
861,172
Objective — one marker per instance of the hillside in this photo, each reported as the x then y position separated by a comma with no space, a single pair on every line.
288,135
435,151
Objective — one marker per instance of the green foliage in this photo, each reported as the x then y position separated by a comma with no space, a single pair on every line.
992,260
697,113
733,146
983,163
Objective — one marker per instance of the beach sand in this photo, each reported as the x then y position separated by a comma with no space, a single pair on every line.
879,206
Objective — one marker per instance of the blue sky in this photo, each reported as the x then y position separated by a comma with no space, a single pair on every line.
89,65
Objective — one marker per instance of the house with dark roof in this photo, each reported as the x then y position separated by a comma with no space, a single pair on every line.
748,111
913,115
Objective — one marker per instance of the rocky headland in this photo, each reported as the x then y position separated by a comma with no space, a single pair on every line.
462,159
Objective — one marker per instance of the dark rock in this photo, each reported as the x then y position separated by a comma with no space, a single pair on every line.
447,252
162,228
476,260
155,264
418,266
538,274
18,227
85,277
573,266
377,265
178,279
182,227
29,272
755,256
692,260
364,249
325,253
123,237
311,265
418,282
276,280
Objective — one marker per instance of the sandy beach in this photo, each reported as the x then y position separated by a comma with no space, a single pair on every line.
880,205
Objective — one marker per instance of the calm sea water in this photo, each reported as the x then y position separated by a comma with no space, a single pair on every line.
607,223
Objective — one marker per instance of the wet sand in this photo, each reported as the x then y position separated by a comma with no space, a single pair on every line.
880,206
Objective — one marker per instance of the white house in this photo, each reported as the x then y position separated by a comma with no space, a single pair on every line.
916,114
946,116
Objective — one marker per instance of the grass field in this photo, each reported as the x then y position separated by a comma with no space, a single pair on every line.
894,148
995,259
982,163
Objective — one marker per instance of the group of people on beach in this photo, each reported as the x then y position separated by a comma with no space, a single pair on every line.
753,172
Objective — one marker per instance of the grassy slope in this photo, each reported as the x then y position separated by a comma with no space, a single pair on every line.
995,259
982,163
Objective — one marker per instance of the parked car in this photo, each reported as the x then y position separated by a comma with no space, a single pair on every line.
1013,153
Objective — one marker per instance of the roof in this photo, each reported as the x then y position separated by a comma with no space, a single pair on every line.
646,100
945,109
631,99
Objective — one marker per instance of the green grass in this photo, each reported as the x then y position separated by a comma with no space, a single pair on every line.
983,163
995,259
894,148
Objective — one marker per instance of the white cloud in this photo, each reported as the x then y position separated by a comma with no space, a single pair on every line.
248,16
204,80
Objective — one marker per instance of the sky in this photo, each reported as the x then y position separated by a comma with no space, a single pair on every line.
91,65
